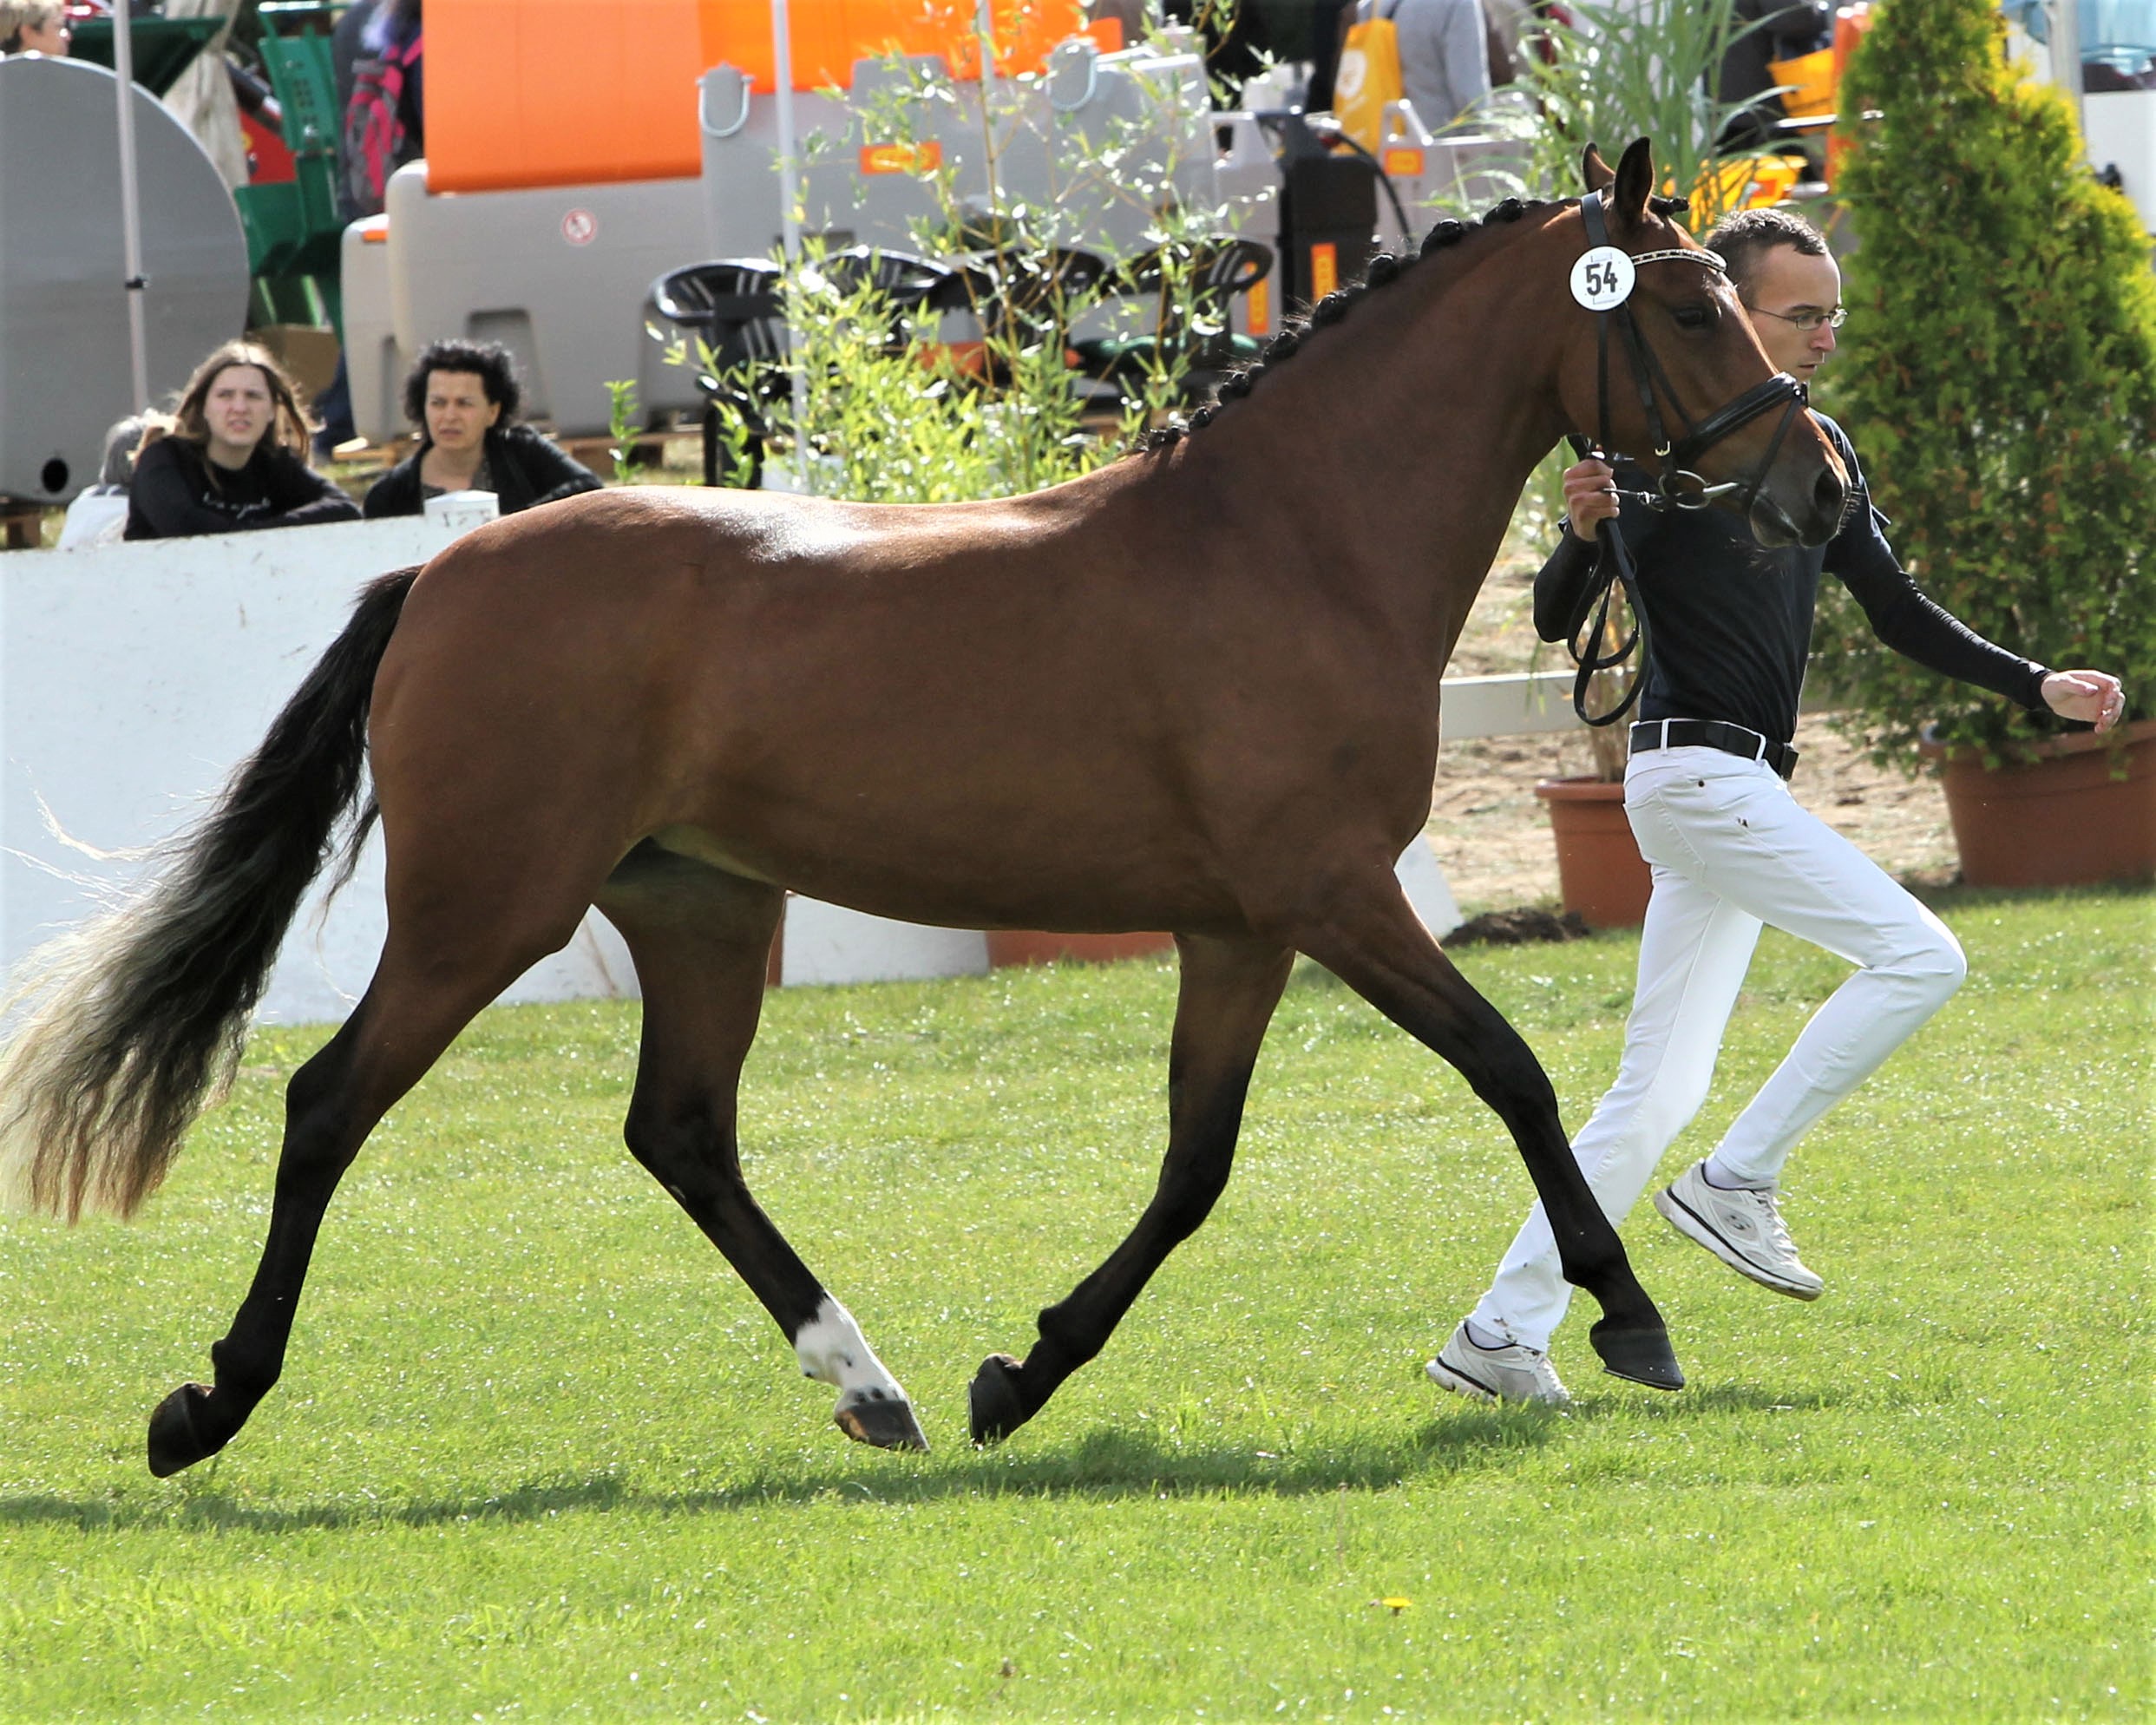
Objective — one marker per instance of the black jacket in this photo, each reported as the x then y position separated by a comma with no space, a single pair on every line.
174,494
526,467
1731,621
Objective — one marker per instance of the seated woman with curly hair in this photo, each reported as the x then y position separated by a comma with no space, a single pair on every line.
463,397
232,456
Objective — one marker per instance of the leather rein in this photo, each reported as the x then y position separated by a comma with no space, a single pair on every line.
1676,486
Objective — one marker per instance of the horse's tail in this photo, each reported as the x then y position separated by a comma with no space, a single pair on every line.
132,1023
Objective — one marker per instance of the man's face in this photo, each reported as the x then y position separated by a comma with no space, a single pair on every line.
1783,289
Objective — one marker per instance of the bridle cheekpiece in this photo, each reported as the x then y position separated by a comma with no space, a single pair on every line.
1677,485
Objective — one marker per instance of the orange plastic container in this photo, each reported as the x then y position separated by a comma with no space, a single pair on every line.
529,93
1809,82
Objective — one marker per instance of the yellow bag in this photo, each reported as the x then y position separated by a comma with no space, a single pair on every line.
1368,78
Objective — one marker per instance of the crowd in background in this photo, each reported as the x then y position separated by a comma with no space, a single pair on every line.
234,455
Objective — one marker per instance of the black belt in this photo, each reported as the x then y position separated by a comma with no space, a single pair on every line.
1713,733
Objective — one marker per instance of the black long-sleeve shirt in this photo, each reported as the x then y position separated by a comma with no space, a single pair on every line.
1730,622
174,494
524,469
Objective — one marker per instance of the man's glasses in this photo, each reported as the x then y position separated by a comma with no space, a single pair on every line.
1807,320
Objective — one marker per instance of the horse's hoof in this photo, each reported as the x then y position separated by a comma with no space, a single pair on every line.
884,1420
1639,1356
993,1400
177,1439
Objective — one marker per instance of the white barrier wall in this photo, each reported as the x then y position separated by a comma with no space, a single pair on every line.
135,677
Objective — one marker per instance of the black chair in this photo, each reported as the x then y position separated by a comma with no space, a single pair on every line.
737,307
1213,272
1020,295
732,305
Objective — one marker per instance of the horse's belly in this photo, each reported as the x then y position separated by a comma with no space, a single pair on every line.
977,876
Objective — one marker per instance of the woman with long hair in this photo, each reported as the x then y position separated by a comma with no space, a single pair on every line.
232,456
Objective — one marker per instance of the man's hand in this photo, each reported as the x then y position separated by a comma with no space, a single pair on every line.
1590,496
2093,697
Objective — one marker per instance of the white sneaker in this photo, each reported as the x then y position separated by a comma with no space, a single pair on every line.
1512,1372
1741,1228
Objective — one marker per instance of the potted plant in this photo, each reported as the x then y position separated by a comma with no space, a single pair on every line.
1601,874
1999,374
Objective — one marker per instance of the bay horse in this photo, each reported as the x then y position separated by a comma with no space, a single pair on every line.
1196,690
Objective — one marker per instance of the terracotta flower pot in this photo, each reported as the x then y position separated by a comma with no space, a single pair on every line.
1034,946
2061,821
1599,871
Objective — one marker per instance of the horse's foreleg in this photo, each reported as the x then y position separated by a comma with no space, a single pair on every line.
1229,991
1367,935
701,939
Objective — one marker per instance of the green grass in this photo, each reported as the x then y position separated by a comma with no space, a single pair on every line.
537,1454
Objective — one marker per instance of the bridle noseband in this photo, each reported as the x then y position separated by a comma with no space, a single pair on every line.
1677,486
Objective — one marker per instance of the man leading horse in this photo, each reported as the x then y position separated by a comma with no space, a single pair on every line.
1706,792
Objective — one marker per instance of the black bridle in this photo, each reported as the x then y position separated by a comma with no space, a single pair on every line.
1676,486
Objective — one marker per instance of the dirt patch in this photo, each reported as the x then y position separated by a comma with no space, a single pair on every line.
1492,837
1524,925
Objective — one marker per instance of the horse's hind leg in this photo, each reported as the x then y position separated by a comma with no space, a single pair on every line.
1368,937
701,939
429,984
1229,991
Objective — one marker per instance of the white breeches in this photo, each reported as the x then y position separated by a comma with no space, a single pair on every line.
1732,849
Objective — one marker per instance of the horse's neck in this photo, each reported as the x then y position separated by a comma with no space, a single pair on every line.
1399,442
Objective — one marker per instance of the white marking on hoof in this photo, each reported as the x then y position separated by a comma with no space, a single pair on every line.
832,1350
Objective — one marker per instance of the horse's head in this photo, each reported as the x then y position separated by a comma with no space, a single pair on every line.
1663,364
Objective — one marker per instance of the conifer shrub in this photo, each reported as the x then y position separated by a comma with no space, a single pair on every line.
1998,374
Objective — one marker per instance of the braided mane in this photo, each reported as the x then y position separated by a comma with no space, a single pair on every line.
1382,270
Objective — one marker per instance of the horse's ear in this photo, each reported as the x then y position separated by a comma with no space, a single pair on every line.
1634,180
1594,171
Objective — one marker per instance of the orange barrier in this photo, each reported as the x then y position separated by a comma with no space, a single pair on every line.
529,93
828,36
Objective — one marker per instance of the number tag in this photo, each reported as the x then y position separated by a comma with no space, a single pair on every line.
1603,278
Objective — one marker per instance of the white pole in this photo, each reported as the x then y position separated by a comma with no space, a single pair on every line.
783,73
984,26
790,215
131,206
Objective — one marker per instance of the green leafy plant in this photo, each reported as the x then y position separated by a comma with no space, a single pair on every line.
1999,376
882,411
1622,69
622,426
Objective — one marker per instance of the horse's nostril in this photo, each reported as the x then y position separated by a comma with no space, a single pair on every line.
1828,495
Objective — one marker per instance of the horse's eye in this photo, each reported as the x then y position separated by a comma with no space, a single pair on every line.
1693,317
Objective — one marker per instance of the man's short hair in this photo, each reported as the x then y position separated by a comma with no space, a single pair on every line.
1748,236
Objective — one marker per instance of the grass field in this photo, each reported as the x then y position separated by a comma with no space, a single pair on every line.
538,1455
